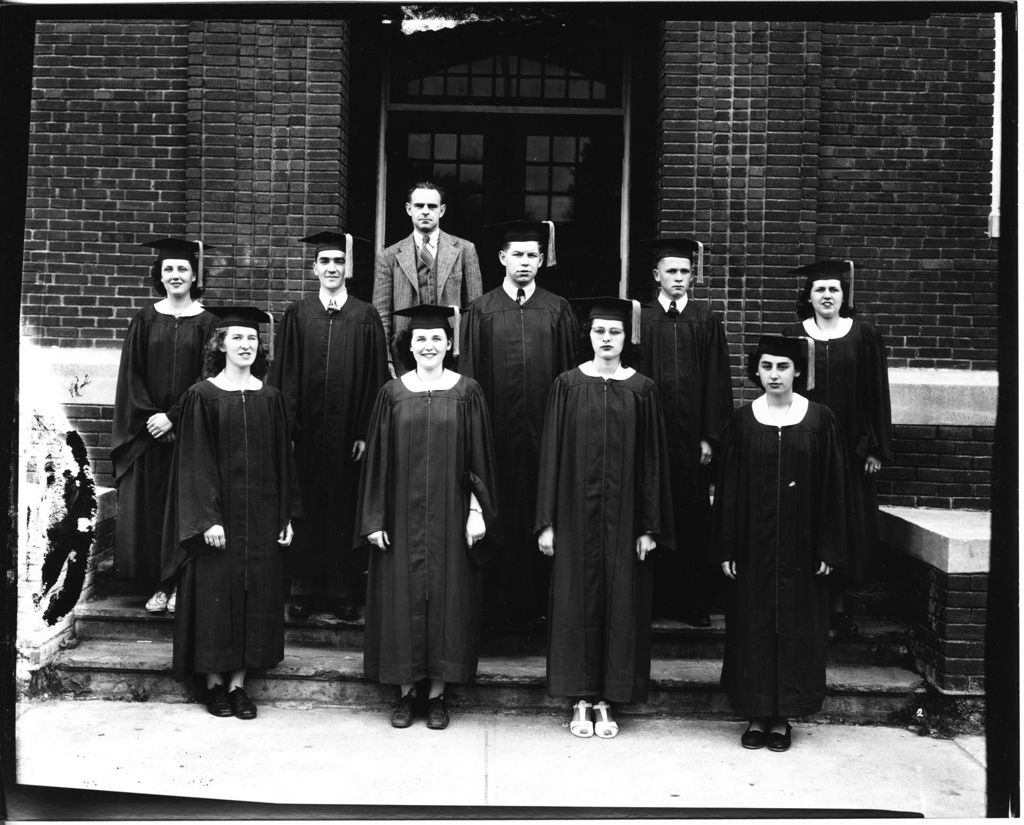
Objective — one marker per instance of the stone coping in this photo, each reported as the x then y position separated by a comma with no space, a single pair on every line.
953,541
955,398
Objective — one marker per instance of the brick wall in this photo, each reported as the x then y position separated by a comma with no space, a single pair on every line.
936,466
106,168
738,123
268,152
906,172
235,130
93,423
946,616
785,141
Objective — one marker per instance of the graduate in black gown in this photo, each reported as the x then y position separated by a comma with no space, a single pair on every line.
516,339
330,361
852,380
426,499
779,533
233,496
162,356
686,353
603,505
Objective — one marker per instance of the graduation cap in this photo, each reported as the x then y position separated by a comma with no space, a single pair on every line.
434,316
822,270
798,348
252,317
181,248
613,309
675,246
329,239
543,232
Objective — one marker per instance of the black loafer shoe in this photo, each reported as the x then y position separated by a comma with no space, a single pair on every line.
754,739
437,714
404,711
217,701
241,704
779,742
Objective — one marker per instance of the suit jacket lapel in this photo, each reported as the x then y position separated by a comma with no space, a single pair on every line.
407,261
447,252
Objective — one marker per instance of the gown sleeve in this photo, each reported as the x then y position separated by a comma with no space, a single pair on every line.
290,501
469,343
372,505
481,477
549,454
654,499
193,490
132,404
833,507
879,408
727,516
566,340
285,369
375,351
717,397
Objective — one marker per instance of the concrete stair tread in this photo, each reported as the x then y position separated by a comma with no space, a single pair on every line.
124,606
325,664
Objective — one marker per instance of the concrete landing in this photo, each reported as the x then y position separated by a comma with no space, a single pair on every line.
340,756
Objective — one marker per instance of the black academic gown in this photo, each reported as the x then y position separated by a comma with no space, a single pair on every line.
427,451
852,380
329,368
603,482
780,507
162,356
515,353
688,358
233,466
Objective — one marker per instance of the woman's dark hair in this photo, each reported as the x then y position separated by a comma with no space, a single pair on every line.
403,342
632,354
158,283
803,300
214,360
800,362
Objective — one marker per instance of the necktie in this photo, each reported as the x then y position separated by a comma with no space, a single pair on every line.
332,307
426,259
672,311
520,296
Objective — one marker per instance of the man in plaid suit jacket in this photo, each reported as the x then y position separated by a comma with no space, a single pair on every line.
427,267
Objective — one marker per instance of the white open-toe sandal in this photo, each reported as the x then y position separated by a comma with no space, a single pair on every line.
581,725
603,724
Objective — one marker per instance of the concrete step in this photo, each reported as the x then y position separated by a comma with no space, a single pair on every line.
123,617
141,671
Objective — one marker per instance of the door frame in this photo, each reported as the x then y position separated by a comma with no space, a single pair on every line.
623,111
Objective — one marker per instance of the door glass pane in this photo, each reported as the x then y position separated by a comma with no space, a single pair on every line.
537,148
537,207
472,147
471,176
445,146
419,145
536,179
561,209
565,149
561,178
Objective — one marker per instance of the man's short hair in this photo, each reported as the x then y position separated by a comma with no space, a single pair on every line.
424,184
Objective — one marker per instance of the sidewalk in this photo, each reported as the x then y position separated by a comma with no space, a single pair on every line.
344,756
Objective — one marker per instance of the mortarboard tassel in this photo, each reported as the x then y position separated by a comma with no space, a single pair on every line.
635,335
455,331
550,259
349,263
